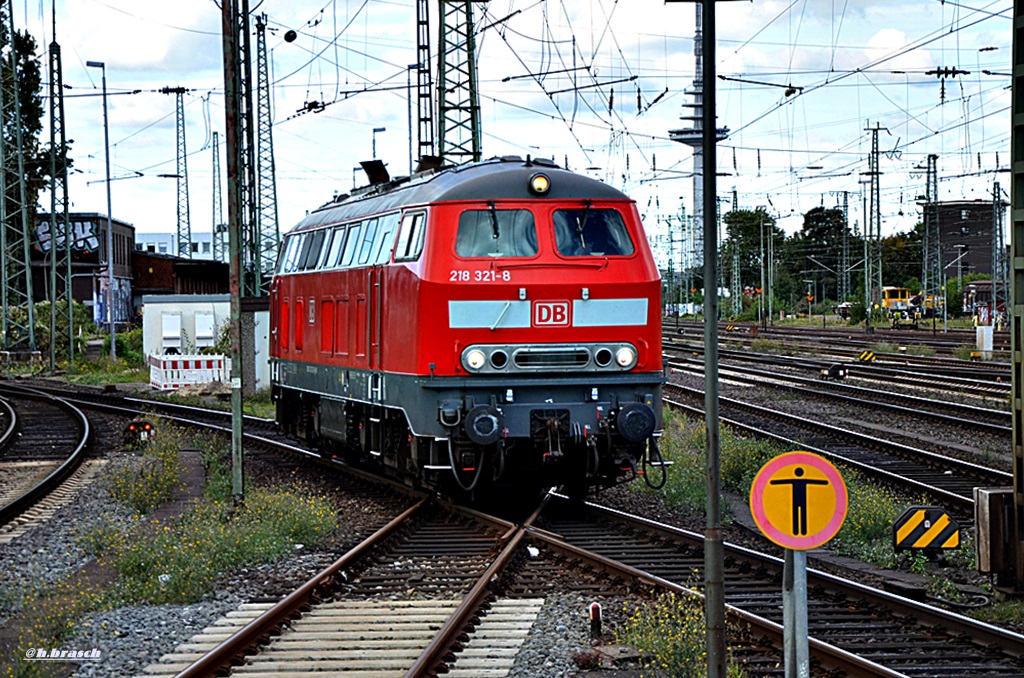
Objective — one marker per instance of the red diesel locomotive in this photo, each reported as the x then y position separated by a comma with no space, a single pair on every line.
491,324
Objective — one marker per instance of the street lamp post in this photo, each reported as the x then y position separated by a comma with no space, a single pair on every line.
110,230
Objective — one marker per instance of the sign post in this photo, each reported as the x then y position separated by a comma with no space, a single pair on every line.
799,501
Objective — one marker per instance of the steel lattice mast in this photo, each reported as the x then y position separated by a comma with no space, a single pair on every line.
18,325
424,86
219,227
931,274
458,101
269,230
60,243
184,221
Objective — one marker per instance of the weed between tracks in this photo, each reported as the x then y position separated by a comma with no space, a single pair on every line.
867,532
670,633
173,561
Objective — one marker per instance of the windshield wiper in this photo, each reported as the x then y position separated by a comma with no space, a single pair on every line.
494,220
582,223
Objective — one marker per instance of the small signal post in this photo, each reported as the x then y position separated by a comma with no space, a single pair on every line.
799,501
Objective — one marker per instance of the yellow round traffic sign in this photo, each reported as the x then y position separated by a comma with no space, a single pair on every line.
799,500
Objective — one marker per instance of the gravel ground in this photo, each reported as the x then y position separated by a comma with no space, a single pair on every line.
131,638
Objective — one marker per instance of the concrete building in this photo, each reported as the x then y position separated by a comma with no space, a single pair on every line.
167,243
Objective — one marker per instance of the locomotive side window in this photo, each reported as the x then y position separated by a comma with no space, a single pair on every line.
325,249
369,230
333,258
384,239
351,244
315,241
496,233
410,237
591,232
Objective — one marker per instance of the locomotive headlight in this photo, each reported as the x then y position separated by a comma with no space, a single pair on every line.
539,184
474,359
625,356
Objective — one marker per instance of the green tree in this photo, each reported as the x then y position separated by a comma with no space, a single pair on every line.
901,259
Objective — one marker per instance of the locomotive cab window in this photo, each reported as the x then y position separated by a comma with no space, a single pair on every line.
496,233
590,231
385,239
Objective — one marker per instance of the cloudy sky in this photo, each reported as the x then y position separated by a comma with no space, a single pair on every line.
596,84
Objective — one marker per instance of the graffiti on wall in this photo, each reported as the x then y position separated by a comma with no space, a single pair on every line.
85,236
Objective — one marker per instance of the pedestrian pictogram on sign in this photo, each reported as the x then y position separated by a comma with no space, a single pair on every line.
925,528
799,500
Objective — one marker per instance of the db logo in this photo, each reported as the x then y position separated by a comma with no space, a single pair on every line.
550,313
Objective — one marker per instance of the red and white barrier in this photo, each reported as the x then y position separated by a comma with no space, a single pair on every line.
168,372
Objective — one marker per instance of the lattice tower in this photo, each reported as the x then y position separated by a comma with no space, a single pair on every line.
220,229
458,99
60,243
931,265
270,234
424,86
18,312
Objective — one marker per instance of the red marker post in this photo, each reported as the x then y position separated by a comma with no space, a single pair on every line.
799,501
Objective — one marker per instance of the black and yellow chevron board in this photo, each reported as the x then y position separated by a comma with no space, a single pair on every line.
867,356
925,527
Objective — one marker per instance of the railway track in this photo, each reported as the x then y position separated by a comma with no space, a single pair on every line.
966,379
949,481
407,593
970,417
408,580
47,436
890,634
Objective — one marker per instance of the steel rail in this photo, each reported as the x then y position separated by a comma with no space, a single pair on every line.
436,654
18,506
249,636
830,656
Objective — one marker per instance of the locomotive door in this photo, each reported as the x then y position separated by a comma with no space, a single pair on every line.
375,297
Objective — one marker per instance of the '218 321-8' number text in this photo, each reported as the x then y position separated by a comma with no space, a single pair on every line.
463,275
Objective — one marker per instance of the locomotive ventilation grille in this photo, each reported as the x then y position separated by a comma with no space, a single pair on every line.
505,359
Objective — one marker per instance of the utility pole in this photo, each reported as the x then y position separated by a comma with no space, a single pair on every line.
999,286
238,116
60,230
184,220
458,98
931,273
1017,260
873,260
219,227
693,136
843,279
15,261
424,86
268,227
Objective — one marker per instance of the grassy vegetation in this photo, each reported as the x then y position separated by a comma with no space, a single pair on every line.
867,532
176,561
670,633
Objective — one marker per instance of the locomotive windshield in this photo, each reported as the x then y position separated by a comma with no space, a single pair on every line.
591,232
496,233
